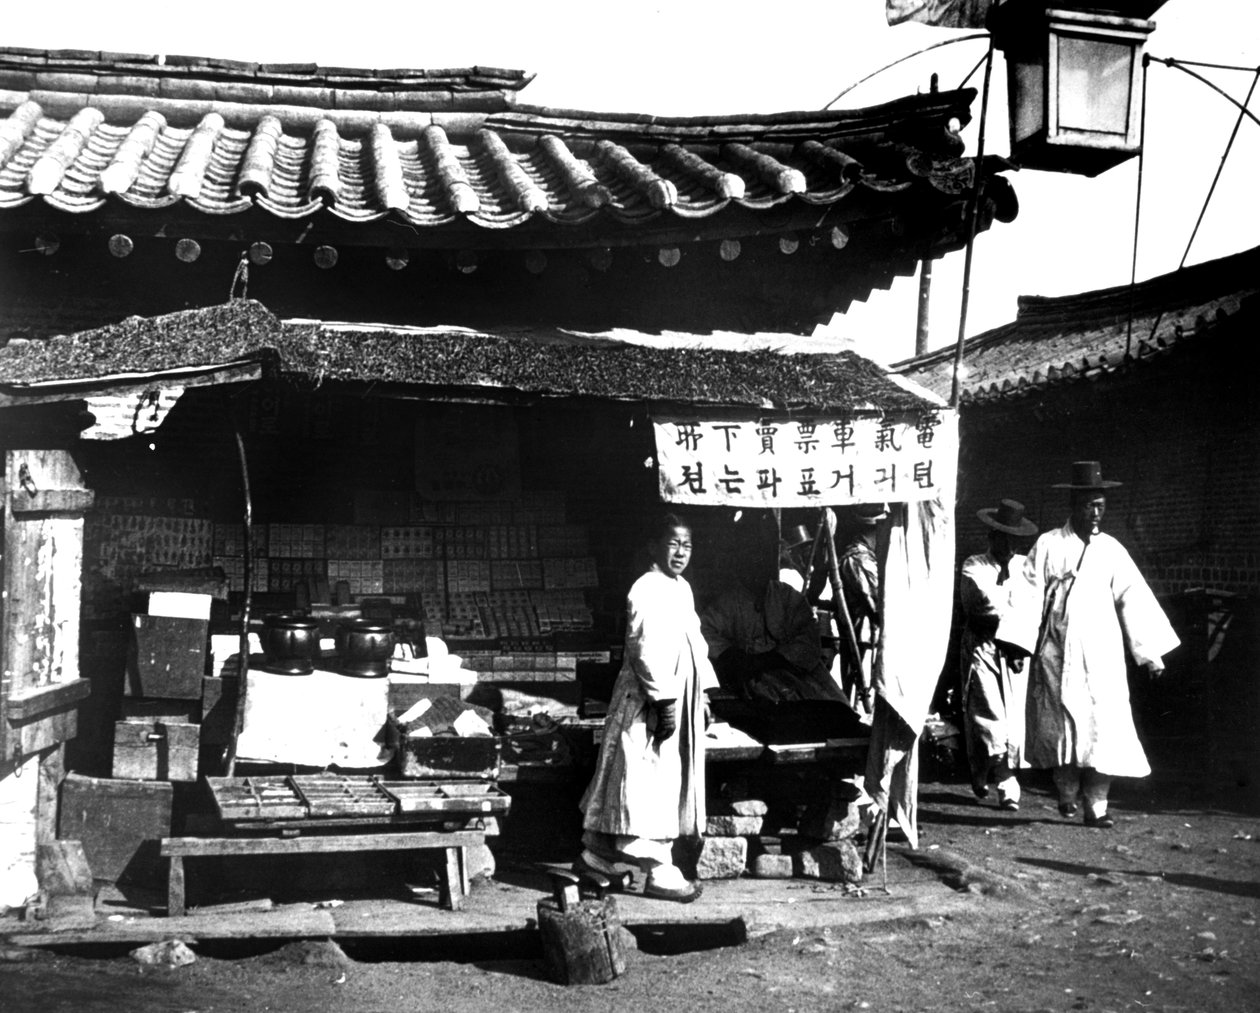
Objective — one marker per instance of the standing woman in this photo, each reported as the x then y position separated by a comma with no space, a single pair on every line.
648,787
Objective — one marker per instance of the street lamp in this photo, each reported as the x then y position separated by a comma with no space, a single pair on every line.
1074,80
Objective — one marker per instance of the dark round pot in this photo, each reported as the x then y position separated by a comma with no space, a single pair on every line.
364,648
290,644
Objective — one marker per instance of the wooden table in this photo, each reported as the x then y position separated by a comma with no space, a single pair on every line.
453,874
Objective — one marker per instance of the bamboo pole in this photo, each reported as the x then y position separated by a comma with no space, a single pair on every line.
238,723
842,609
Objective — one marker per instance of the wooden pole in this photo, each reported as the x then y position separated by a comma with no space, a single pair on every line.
973,205
243,644
842,608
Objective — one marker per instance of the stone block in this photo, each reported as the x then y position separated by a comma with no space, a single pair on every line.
481,863
834,818
836,861
738,807
733,826
722,858
767,866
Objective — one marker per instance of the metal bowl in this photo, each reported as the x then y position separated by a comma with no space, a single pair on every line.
290,643
364,648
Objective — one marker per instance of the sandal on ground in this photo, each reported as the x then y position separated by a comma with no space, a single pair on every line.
1068,809
684,895
1104,822
1009,804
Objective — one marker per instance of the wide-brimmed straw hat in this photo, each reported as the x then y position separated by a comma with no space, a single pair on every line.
1008,516
1087,475
870,513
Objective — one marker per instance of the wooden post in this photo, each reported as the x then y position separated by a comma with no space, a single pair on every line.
582,945
842,610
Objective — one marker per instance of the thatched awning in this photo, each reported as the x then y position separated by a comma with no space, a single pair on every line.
452,362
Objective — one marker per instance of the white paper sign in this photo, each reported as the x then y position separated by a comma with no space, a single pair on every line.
800,463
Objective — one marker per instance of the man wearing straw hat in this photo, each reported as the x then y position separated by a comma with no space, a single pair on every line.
994,683
1094,602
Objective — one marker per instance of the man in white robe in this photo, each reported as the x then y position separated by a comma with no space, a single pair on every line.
648,787
1094,603
994,682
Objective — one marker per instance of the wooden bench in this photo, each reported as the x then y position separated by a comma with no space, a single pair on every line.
453,873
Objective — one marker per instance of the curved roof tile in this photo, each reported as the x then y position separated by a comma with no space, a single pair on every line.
496,171
1083,336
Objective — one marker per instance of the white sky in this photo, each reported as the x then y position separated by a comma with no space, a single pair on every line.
688,58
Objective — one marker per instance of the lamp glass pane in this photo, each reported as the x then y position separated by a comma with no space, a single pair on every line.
1094,82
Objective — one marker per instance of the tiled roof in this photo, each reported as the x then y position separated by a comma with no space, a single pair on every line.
226,138
1066,339
538,363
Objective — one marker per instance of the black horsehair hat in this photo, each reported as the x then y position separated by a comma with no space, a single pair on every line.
1086,475
1008,517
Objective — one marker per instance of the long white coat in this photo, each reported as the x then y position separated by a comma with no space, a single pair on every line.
993,693
641,789
1094,602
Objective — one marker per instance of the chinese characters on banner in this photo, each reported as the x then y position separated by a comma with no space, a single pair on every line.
796,462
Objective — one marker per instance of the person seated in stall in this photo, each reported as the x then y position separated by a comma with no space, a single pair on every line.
763,636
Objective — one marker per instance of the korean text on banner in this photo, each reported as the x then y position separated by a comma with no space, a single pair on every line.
799,463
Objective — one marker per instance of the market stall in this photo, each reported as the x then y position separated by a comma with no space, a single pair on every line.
465,472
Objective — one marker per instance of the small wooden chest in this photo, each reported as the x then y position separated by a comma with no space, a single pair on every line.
158,748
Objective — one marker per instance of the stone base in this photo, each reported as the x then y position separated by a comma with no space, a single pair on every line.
836,861
722,858
767,866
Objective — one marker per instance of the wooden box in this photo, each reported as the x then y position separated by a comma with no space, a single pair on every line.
449,757
156,748
120,824
167,657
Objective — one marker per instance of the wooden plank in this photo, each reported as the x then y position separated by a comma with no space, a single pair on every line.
40,604
175,887
52,771
318,844
53,501
34,702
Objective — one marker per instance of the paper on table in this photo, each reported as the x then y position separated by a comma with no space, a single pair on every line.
321,719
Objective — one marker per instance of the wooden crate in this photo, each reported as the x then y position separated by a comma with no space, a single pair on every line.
447,796
242,799
166,657
449,757
158,748
340,795
120,823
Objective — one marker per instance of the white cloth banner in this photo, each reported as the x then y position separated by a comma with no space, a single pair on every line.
807,462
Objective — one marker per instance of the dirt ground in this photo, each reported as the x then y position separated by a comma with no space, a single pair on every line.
1158,915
